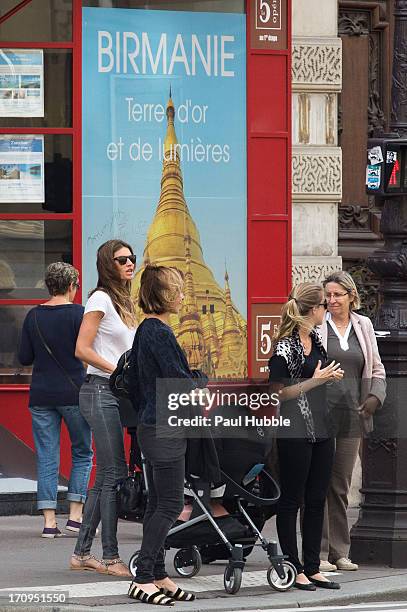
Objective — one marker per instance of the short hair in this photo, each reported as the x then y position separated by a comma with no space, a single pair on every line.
345,280
159,287
59,276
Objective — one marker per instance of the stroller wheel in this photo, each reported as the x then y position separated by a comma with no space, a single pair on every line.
232,579
188,562
133,563
282,584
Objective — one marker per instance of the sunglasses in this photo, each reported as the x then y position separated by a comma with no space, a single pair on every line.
77,286
122,259
324,304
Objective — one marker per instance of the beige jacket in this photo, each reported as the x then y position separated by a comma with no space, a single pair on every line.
374,374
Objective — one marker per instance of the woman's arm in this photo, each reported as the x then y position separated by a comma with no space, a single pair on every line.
167,354
25,351
377,393
84,344
321,376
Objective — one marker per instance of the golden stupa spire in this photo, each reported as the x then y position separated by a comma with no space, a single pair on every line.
170,150
210,332
190,334
173,240
230,358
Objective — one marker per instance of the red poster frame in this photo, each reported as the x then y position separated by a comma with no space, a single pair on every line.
268,193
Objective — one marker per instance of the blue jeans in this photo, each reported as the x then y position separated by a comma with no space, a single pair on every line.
100,408
46,424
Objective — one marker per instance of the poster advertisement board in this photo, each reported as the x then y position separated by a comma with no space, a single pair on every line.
21,168
164,162
21,83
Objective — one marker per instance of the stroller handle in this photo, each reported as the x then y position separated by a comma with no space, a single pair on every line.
239,491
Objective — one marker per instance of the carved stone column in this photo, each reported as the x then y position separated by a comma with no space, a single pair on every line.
380,534
316,157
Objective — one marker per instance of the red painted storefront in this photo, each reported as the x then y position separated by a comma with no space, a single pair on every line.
268,192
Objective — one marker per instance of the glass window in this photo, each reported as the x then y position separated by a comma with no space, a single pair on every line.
57,93
26,249
57,178
11,322
215,6
40,20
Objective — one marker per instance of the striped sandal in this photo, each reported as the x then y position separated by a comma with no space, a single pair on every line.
178,595
156,598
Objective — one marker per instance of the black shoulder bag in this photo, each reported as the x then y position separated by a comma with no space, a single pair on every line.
61,367
131,492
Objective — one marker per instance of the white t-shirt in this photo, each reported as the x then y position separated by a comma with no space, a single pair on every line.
113,337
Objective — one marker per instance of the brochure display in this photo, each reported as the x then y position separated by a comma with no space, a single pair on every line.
21,83
22,168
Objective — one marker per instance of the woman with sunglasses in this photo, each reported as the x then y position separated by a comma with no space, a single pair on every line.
299,372
107,331
350,338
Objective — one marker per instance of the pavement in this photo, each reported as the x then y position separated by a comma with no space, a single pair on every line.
34,567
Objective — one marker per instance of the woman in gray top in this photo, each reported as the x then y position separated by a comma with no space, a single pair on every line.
349,338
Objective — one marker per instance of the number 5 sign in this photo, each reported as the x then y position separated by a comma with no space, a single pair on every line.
265,319
268,24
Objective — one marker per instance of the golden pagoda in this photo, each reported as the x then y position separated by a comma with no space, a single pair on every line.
209,327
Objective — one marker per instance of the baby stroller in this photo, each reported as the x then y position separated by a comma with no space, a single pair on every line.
249,496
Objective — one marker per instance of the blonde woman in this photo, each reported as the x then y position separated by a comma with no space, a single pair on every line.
298,372
350,338
106,332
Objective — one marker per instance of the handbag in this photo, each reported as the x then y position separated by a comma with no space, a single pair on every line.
61,367
120,381
132,492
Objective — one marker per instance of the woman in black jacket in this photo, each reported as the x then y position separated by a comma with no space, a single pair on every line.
157,355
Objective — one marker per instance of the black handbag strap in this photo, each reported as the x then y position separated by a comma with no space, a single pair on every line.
73,383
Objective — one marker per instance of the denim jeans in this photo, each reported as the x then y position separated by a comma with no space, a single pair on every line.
46,425
100,408
165,470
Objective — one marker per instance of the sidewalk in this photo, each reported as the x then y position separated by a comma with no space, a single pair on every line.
35,564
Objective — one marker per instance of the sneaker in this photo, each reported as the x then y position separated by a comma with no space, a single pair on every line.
325,566
73,526
346,565
51,532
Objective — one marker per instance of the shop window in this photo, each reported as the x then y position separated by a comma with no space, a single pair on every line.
56,89
11,322
38,21
26,249
56,177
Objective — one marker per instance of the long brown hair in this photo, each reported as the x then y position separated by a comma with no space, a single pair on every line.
301,300
109,281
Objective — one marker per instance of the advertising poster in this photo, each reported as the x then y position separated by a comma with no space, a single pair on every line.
21,83
22,168
164,163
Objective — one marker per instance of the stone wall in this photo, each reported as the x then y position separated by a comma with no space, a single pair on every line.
317,160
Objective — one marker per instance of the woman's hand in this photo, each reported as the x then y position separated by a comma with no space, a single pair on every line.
369,407
332,371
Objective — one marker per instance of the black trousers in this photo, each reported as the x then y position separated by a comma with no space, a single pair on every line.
305,473
165,467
